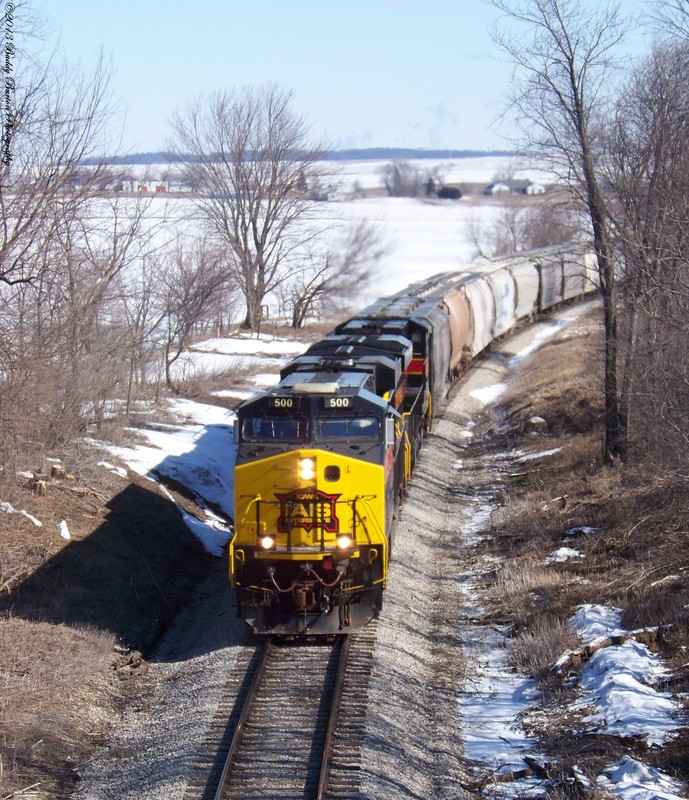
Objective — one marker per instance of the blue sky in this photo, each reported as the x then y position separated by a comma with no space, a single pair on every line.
365,73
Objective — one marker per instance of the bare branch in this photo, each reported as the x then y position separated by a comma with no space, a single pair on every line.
671,17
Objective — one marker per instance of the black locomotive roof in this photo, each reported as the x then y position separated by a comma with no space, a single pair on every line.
324,382
316,385
357,345
396,324
384,372
398,306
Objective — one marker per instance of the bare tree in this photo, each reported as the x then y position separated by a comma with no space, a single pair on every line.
52,119
333,279
192,276
649,171
672,17
525,224
248,155
402,179
141,316
57,120
67,323
562,72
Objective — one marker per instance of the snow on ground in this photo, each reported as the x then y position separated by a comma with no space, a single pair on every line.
423,237
490,705
494,697
489,394
617,696
198,453
594,623
8,508
563,554
618,683
237,354
533,456
194,364
617,689
251,345
544,333
632,780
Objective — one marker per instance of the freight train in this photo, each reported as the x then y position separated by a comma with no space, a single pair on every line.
324,457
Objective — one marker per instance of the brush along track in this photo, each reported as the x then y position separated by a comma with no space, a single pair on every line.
296,724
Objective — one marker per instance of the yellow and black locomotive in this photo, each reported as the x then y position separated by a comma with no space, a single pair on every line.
320,461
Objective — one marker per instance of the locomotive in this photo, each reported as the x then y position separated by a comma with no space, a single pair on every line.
324,457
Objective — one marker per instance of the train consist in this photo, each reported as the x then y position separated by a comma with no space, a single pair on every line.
325,456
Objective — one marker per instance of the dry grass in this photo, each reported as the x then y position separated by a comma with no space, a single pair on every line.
629,524
53,696
64,605
535,651
525,587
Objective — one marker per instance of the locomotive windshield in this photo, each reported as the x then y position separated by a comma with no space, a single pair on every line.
349,428
262,429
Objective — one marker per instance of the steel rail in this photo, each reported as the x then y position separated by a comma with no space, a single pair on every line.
241,723
332,717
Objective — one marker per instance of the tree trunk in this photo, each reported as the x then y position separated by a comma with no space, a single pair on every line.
615,446
254,311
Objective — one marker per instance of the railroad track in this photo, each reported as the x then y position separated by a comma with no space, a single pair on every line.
292,727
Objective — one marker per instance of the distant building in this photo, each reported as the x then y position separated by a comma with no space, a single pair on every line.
514,187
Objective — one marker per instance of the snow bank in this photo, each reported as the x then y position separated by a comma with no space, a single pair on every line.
618,683
632,780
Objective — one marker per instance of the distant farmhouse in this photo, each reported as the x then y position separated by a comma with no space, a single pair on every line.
514,187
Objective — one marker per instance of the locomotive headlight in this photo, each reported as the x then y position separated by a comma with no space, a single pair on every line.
344,542
267,542
307,469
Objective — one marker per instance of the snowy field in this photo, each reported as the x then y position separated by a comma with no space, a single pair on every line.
421,237
479,169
